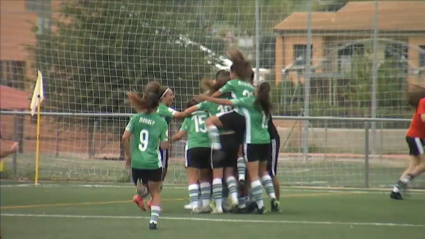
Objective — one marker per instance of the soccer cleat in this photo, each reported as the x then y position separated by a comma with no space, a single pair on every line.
396,196
217,210
262,211
188,206
275,205
139,201
242,210
200,210
251,207
152,226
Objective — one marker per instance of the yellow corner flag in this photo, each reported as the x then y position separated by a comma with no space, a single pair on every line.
38,95
37,98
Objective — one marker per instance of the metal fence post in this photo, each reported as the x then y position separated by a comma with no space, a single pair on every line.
326,138
15,139
366,154
307,74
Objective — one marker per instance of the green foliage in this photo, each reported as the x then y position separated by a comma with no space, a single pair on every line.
105,48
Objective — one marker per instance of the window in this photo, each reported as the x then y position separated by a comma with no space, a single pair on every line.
43,24
422,56
345,56
12,74
300,55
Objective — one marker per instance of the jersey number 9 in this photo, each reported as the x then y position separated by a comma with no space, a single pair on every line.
144,140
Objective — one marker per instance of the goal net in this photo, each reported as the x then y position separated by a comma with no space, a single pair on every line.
91,53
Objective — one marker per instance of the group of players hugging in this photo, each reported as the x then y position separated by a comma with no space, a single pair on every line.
232,144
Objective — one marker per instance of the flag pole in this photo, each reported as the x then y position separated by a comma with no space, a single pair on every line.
37,150
37,98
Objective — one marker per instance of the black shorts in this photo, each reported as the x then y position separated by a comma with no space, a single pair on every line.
416,146
257,152
235,122
274,156
146,175
199,158
230,148
164,157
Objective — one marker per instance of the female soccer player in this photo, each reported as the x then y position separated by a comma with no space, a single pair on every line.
257,140
198,163
274,156
239,86
230,148
415,139
150,133
166,98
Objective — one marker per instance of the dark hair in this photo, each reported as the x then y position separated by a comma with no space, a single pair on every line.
262,102
191,103
162,90
414,95
147,103
240,66
221,78
252,77
152,86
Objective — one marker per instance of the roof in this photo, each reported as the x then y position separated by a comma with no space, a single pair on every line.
394,16
14,99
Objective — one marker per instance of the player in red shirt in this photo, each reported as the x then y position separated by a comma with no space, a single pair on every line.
415,139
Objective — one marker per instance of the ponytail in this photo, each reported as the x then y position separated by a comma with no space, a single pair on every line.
262,101
240,66
146,104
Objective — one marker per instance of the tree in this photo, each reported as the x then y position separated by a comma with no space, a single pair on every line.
101,49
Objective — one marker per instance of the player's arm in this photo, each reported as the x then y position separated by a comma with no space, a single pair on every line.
182,132
421,109
126,141
192,109
172,113
163,137
10,150
215,100
224,89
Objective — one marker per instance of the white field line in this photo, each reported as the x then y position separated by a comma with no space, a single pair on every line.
351,224
173,187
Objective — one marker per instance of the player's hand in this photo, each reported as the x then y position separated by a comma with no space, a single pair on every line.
14,147
127,162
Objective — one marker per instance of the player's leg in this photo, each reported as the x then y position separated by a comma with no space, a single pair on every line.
164,159
253,172
213,123
141,190
241,166
202,163
217,186
192,173
266,179
272,165
229,171
154,181
416,166
236,122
